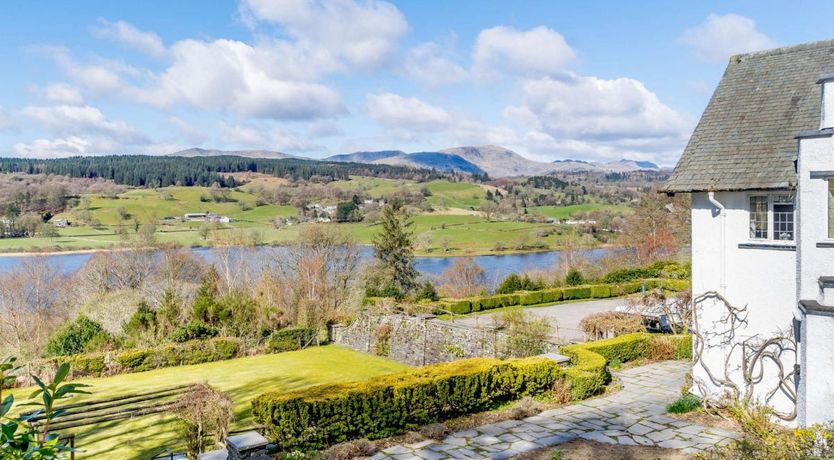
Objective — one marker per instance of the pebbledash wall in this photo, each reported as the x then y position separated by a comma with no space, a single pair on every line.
417,340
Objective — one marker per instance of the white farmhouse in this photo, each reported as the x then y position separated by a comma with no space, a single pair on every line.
760,168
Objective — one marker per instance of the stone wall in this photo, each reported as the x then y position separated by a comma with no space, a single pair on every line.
417,340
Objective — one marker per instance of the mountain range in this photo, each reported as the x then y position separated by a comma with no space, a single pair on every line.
495,160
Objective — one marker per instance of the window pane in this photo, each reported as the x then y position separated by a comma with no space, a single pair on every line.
783,221
831,208
758,217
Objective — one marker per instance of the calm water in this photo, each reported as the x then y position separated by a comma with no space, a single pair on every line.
496,267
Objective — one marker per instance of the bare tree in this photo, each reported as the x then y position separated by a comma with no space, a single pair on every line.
464,278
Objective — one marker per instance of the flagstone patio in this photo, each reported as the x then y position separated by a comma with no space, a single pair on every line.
633,416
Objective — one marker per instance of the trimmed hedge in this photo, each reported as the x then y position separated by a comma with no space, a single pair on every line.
594,291
320,416
290,339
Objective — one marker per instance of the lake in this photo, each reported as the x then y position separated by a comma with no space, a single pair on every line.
496,267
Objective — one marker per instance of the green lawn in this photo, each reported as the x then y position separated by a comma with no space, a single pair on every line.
243,379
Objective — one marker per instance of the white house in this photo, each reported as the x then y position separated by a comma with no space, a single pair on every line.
760,168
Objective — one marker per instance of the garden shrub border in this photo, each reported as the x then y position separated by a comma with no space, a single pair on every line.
173,354
318,417
591,291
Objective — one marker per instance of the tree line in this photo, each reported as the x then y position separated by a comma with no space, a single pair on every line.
162,171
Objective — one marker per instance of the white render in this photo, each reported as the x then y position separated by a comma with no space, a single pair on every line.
752,276
785,285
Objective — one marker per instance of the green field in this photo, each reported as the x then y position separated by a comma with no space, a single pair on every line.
243,379
566,212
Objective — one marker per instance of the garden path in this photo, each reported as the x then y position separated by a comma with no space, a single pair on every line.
631,416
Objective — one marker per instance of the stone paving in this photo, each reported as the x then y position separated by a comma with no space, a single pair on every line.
632,416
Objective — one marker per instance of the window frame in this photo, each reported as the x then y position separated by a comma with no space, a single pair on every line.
829,203
773,197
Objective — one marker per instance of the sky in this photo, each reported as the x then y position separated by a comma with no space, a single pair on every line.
596,81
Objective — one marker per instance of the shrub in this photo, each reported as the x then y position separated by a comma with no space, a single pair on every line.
193,331
611,323
289,339
526,407
552,295
530,298
426,291
684,404
600,291
388,405
360,448
80,336
458,307
526,335
435,431
513,283
573,293
574,277
83,365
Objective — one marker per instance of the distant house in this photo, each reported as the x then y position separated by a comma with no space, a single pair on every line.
196,216
60,223
760,168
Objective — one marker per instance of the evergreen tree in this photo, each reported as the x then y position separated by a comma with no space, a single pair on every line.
394,247
205,300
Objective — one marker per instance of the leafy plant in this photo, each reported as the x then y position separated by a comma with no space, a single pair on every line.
684,404
574,277
193,330
81,336
21,437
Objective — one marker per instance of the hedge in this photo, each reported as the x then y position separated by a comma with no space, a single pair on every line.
594,291
320,416
289,339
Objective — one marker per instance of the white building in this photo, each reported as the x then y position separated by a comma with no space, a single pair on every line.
760,168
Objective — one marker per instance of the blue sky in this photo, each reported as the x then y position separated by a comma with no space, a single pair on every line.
551,80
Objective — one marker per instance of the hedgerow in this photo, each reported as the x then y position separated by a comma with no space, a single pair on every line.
318,417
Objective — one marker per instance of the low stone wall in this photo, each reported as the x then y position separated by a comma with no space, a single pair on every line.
417,340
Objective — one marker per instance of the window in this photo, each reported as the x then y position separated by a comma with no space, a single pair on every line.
831,208
758,217
772,217
782,218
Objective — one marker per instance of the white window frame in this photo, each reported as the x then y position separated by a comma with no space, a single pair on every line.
771,199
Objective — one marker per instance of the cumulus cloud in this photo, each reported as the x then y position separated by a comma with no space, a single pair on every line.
432,64
264,136
67,120
61,93
720,37
598,118
229,75
99,76
407,113
362,34
66,146
538,51
145,42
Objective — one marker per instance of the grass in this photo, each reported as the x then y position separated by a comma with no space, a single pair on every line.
243,379
684,404
566,212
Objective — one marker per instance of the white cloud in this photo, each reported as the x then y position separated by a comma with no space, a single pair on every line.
61,93
720,37
69,120
264,136
431,63
362,34
187,131
100,76
66,146
536,52
145,42
598,119
229,75
407,113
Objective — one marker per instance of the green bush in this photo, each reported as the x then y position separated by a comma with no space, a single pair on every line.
82,365
513,283
552,295
675,285
458,307
530,298
600,291
194,330
80,336
321,416
660,269
289,339
579,292
574,277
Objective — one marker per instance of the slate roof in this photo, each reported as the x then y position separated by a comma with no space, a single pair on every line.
746,137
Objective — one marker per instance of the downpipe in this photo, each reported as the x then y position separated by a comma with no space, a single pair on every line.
722,212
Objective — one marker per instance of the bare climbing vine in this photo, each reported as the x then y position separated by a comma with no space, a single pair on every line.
747,357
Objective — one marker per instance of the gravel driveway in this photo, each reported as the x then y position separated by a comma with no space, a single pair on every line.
564,317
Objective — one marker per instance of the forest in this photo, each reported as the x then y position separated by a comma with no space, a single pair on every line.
163,171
